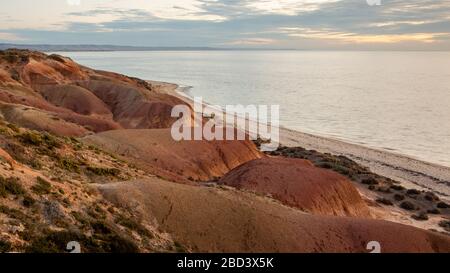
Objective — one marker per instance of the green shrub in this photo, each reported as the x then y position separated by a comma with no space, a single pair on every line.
434,211
384,189
110,241
370,181
37,139
117,244
35,164
69,164
11,58
96,212
13,127
412,192
399,197
42,186
407,205
397,188
15,150
31,138
57,58
56,242
28,201
179,247
133,225
14,213
15,76
51,141
25,58
10,186
83,220
430,196
385,201
445,224
325,165
5,246
420,217
101,227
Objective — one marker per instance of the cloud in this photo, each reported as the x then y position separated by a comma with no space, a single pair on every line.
350,37
288,7
405,22
180,10
325,24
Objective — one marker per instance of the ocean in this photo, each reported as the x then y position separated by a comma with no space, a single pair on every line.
394,101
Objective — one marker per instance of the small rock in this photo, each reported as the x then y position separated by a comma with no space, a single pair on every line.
412,192
430,196
445,224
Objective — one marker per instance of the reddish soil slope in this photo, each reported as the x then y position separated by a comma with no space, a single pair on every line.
297,183
77,99
82,98
208,219
155,149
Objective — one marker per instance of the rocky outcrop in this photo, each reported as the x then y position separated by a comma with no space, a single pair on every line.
95,100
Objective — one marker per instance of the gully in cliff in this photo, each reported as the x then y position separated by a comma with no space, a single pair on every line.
251,121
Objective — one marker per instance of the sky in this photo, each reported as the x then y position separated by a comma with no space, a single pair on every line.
293,24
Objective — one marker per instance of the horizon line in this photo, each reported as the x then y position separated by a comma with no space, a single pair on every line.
113,48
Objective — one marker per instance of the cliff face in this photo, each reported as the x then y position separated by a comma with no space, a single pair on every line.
182,161
73,100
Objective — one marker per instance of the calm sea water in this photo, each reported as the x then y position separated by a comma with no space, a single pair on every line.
397,101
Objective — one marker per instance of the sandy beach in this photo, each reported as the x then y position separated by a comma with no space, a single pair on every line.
411,172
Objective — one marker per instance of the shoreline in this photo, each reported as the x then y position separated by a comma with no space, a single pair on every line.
411,172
